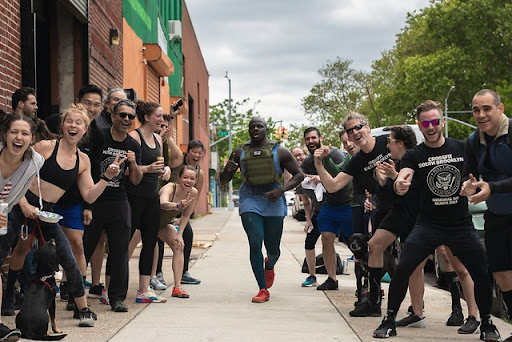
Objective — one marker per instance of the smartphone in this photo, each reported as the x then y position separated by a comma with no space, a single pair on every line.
310,229
177,105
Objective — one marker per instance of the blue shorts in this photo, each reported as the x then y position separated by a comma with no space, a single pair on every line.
72,216
336,219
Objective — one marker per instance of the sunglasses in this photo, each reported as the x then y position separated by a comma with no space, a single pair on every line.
356,127
391,140
124,115
434,122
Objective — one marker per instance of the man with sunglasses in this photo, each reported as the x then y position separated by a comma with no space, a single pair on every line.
362,168
111,210
489,156
443,218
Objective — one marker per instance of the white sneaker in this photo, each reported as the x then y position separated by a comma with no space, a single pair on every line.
157,285
149,296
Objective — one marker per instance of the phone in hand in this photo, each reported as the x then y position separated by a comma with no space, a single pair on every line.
177,105
310,229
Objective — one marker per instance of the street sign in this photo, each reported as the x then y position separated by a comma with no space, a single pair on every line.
223,133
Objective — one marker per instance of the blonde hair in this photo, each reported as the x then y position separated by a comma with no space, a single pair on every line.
76,108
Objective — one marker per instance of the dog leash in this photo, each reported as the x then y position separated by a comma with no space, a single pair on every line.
24,232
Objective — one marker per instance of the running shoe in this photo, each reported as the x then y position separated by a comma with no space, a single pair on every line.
160,277
366,309
269,275
328,284
310,281
119,306
95,291
187,279
157,285
7,334
261,297
470,326
87,318
179,292
488,331
386,329
412,321
149,296
104,297
456,318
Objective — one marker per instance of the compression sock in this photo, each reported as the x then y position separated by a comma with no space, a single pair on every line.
375,275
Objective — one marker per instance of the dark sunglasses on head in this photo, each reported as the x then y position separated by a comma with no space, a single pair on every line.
356,127
124,115
434,122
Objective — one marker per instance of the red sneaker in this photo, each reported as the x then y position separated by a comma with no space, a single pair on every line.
262,296
179,292
269,275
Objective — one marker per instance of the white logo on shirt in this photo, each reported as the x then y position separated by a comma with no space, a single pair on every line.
444,180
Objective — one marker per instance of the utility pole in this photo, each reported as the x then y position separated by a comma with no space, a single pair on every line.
231,205
446,111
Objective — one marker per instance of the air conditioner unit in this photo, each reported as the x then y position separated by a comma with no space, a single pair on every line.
174,30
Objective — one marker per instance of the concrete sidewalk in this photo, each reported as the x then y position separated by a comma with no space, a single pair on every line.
220,308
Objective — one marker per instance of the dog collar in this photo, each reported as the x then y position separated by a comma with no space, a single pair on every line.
43,280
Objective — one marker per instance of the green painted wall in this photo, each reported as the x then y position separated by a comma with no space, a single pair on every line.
142,16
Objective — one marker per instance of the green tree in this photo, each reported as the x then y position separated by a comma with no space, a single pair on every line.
465,43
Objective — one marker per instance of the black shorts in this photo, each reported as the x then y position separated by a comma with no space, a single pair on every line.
498,241
397,223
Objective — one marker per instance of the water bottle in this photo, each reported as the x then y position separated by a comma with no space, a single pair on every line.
3,219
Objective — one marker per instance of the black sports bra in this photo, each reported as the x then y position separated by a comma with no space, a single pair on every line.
51,171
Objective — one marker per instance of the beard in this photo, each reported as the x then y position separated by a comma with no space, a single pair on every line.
316,146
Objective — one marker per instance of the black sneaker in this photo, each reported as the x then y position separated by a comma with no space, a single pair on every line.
87,318
64,292
70,305
328,284
366,309
456,318
95,291
412,321
76,313
119,306
470,326
488,331
18,300
386,329
186,278
7,334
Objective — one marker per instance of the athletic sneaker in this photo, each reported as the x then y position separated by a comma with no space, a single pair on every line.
189,280
412,321
149,296
119,306
328,284
261,297
456,318
160,277
95,291
470,326
7,334
104,297
179,292
87,318
64,292
488,331
386,329
269,275
157,285
310,281
366,309
87,283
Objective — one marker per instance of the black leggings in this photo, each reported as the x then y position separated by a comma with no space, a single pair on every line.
188,238
113,217
312,237
145,218
464,244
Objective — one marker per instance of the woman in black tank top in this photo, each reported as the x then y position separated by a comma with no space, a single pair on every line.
73,167
144,198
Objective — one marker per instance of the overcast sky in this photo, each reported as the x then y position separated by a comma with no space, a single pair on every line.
273,49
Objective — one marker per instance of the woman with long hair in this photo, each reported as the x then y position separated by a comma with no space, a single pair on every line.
64,166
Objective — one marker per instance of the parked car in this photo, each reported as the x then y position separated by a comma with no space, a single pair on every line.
235,196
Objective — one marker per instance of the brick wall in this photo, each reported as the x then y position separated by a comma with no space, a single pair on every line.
10,51
105,60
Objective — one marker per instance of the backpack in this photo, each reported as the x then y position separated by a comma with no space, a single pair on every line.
320,265
475,139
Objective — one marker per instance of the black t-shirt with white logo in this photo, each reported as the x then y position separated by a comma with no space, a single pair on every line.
362,168
104,156
437,172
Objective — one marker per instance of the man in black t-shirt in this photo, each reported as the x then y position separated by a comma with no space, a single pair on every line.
443,218
362,168
112,211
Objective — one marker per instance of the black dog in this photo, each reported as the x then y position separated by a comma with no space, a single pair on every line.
32,320
358,244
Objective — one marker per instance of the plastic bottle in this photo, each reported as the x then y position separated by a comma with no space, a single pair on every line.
3,219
